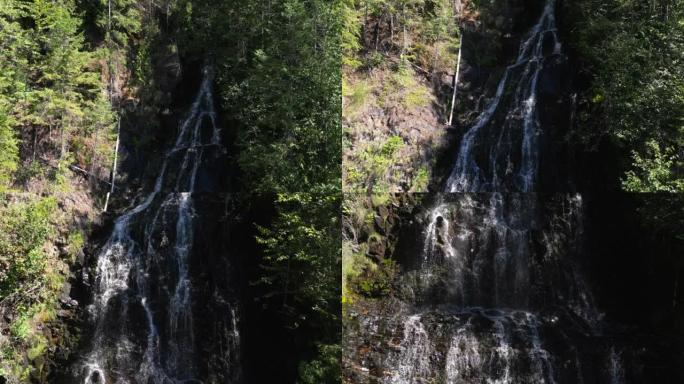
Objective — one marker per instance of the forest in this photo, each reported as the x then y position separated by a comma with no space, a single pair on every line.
628,56
91,94
310,191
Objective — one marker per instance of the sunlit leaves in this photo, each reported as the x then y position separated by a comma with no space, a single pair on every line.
635,53
652,171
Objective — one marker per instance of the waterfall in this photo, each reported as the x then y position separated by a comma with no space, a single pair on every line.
496,276
488,289
142,308
471,345
507,131
615,369
413,362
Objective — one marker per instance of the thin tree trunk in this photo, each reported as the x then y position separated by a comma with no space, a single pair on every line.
458,69
62,144
391,28
377,34
403,48
35,142
116,158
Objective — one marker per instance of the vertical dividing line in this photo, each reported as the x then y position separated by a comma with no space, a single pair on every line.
458,70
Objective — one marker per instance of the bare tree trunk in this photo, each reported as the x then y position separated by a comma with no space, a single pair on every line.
391,28
458,69
116,158
403,48
35,143
377,34
62,143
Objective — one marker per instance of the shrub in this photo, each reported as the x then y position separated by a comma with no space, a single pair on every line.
376,280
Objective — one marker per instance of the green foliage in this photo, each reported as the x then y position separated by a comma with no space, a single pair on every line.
53,113
51,93
75,243
379,199
301,274
352,266
24,230
29,279
423,31
654,173
325,368
400,45
278,75
421,180
373,60
142,64
119,19
663,216
376,281
292,109
634,54
412,93
357,95
20,326
374,165
351,32
302,256
9,151
357,214
27,343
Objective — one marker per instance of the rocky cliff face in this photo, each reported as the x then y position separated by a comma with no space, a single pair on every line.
393,120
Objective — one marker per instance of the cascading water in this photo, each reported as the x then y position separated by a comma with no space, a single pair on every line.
617,374
496,296
500,152
494,279
143,291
